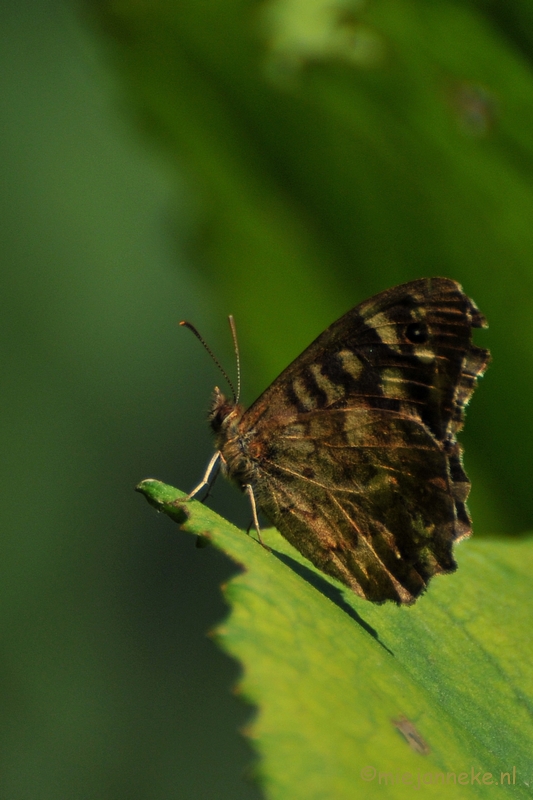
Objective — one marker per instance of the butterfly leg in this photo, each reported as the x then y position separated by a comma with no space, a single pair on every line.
250,492
213,466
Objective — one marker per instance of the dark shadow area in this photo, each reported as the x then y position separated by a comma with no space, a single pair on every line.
329,591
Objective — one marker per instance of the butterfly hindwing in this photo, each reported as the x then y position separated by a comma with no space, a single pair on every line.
368,508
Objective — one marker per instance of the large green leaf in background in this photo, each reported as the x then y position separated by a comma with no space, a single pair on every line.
335,149
332,673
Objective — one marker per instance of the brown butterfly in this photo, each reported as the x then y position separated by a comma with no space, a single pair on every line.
352,453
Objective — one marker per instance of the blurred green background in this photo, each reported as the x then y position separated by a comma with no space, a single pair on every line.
280,161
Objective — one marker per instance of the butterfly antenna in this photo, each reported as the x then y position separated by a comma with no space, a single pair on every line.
237,355
191,327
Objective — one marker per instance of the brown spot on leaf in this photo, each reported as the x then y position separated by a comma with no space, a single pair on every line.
411,735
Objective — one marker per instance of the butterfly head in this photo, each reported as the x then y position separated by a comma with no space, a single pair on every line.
223,414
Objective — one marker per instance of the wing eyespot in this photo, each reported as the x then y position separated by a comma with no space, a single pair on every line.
417,333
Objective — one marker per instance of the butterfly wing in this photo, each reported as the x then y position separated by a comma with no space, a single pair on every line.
353,447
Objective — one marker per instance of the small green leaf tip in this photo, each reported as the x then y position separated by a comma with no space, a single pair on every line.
196,518
164,498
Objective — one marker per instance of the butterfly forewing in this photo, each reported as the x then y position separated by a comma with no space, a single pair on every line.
351,452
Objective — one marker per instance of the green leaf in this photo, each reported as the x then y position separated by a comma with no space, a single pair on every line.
332,675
